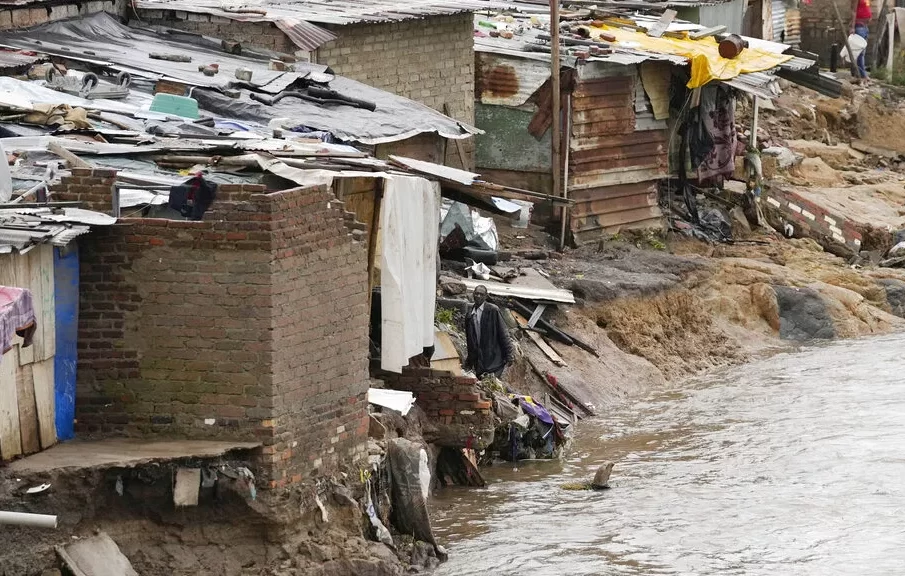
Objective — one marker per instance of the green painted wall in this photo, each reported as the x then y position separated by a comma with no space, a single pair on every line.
506,143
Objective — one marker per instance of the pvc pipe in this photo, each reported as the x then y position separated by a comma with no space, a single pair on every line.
30,520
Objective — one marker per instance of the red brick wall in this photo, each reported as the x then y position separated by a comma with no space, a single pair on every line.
814,218
458,413
93,188
320,328
250,324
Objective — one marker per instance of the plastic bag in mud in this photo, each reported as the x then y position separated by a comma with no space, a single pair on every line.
410,477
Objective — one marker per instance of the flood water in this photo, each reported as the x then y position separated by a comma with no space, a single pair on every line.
789,466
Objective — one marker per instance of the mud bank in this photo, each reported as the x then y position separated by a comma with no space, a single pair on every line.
684,307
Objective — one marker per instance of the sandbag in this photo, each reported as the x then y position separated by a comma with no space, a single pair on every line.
410,477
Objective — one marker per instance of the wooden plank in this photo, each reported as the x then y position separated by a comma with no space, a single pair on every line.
10,439
44,400
539,340
704,33
458,145
28,410
41,285
660,26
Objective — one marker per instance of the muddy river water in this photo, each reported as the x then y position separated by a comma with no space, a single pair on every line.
792,465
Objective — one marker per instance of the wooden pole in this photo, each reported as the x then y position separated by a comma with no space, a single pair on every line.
754,116
851,55
890,56
565,183
556,104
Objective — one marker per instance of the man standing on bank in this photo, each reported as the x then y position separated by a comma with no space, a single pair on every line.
489,346
861,16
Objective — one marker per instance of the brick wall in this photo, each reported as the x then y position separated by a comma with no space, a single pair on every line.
812,219
320,331
458,413
429,60
244,325
262,34
41,12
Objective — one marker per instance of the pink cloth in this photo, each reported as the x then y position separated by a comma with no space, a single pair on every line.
17,316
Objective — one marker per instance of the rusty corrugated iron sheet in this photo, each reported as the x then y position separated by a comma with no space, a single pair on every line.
644,148
305,35
614,164
611,208
507,81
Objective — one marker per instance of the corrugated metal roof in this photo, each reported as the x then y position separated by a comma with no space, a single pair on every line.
12,59
120,47
528,46
22,228
324,11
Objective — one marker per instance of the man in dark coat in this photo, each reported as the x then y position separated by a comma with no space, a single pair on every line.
489,346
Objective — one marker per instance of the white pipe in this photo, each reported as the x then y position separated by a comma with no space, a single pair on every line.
30,520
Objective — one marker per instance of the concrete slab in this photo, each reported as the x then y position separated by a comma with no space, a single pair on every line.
96,556
121,452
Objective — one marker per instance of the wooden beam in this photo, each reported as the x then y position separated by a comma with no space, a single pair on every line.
662,24
712,31
456,142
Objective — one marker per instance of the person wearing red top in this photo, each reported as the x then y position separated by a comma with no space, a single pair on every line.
861,16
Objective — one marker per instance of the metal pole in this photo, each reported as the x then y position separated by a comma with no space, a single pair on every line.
31,520
555,112
565,183
890,56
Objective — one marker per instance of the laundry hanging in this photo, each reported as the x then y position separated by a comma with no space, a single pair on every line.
409,230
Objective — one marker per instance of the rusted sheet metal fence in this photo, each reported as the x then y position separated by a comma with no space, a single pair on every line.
613,165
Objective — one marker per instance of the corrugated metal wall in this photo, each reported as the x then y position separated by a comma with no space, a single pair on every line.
728,14
779,20
793,26
786,19
617,154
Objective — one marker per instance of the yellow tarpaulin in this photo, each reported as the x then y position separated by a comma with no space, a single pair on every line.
704,55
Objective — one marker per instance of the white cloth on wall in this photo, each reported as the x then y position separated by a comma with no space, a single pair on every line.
410,234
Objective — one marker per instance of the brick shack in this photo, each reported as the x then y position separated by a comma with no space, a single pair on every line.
249,325
421,50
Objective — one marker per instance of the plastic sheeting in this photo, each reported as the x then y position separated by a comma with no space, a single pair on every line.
409,230
704,55
478,230
410,474
398,400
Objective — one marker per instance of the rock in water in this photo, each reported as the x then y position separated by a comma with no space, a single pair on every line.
602,477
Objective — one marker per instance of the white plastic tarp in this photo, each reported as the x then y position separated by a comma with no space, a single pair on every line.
478,229
409,228
398,400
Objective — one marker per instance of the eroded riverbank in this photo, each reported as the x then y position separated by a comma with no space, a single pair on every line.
786,465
